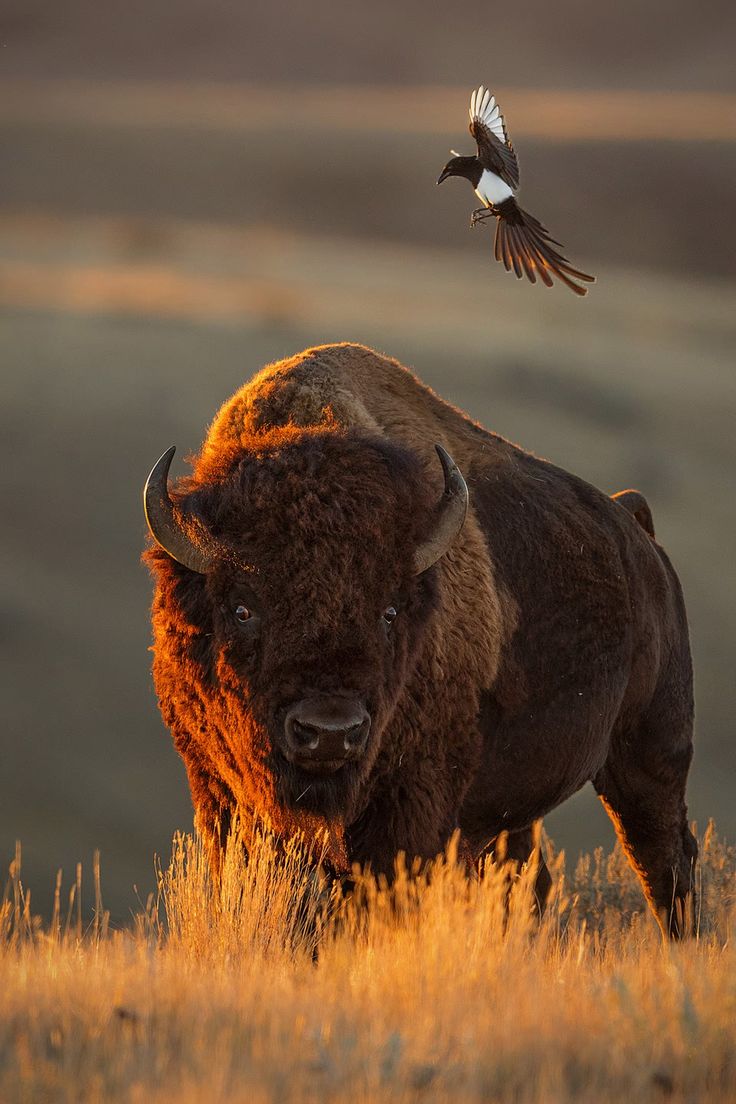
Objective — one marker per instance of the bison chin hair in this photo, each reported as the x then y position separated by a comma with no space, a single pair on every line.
332,796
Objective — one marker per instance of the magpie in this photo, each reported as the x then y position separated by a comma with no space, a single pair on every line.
521,241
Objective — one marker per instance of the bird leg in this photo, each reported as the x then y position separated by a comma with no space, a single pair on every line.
480,214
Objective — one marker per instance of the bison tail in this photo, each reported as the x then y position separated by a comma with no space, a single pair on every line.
636,504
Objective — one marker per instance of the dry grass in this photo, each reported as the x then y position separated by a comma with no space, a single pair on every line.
419,995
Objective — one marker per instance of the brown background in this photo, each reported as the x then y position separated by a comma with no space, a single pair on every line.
188,190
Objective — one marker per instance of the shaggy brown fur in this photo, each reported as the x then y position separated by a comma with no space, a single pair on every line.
546,649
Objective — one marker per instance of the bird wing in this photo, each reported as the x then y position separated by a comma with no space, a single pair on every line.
495,151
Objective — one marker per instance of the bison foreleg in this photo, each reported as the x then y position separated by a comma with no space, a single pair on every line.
519,848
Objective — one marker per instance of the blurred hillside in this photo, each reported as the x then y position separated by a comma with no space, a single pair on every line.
662,44
185,197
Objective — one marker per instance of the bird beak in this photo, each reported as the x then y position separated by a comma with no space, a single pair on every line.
444,175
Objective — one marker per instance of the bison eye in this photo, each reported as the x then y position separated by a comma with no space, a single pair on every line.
389,615
242,614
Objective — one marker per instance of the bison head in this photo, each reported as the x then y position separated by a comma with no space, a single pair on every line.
294,593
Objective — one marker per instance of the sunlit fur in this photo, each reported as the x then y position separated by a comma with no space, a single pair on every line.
546,649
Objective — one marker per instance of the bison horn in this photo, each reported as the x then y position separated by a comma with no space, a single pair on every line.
164,527
451,511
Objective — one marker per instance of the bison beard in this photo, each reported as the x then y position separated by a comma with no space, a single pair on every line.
328,797
315,571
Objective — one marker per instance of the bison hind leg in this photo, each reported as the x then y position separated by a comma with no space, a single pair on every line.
643,791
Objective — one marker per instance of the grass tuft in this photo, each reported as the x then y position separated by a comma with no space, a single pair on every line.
432,991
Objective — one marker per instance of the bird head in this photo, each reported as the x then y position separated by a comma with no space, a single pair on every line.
459,166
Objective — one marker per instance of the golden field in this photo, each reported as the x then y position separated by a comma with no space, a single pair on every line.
425,994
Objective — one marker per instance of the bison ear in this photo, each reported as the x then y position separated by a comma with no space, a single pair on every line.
449,518
163,524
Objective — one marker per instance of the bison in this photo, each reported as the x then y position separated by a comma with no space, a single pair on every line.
355,640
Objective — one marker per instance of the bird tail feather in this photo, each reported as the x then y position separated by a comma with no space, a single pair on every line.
524,245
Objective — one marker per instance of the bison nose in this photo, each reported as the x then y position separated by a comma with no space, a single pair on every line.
322,731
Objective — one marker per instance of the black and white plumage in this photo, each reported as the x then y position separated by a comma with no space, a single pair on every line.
521,242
